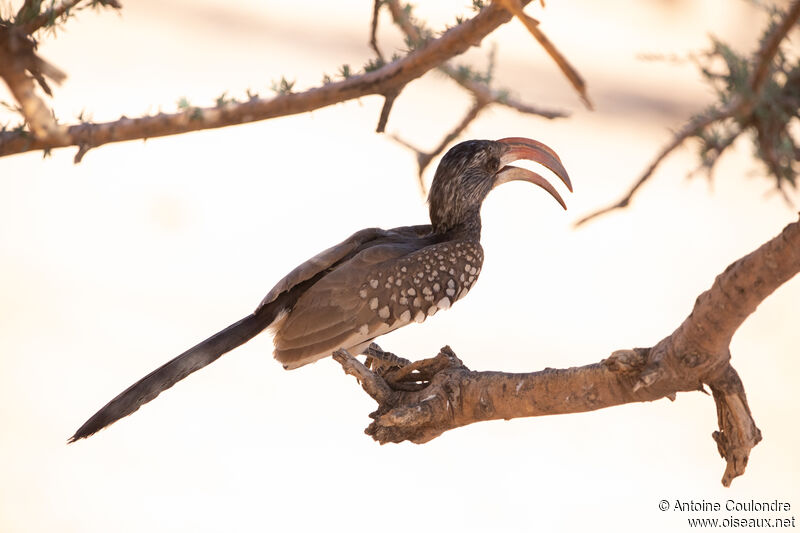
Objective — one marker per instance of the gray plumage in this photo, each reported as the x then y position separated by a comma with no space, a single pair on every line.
369,284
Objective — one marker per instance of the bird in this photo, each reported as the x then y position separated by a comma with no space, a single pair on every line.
373,282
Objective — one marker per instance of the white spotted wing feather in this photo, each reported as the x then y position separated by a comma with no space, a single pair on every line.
378,290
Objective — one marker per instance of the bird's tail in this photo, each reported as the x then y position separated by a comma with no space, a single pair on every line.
172,372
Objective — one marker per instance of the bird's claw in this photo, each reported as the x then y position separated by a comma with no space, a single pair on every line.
380,361
400,373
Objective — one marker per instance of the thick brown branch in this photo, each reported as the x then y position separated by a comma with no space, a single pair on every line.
695,353
381,81
736,293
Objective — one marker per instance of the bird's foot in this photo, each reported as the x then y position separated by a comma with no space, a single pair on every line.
416,402
380,361
399,373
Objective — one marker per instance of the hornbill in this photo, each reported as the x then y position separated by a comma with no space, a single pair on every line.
371,283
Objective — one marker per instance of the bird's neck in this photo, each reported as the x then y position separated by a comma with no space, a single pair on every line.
468,227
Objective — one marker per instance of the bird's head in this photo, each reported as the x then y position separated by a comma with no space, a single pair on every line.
469,170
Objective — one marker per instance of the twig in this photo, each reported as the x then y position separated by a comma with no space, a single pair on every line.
373,39
49,15
689,130
483,91
425,158
381,81
515,7
386,109
763,58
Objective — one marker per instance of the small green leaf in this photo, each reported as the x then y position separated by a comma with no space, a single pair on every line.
374,64
283,87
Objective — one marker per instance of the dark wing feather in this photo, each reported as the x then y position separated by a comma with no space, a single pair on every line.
175,370
323,261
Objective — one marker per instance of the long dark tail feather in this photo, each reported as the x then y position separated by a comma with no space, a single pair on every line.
172,372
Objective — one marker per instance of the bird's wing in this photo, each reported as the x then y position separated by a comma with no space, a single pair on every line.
380,289
321,262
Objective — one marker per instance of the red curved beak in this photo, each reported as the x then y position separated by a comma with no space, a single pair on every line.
524,148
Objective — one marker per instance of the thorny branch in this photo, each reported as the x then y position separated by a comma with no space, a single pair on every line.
770,46
387,80
742,107
688,130
450,395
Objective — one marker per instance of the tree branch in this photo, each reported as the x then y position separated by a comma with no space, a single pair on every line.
388,102
19,67
424,158
689,130
373,34
381,81
741,107
697,352
482,91
49,16
770,46
532,25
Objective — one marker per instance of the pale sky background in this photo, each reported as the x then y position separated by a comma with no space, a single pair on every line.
114,266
